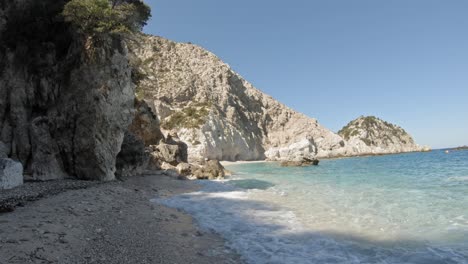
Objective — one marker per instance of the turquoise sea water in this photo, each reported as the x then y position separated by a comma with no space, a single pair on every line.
407,208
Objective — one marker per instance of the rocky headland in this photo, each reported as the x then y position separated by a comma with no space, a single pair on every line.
369,135
461,148
222,116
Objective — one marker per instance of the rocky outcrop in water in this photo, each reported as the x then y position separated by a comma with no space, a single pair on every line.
211,169
299,163
62,114
371,135
461,148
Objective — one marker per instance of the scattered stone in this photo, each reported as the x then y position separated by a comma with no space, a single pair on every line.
31,191
12,241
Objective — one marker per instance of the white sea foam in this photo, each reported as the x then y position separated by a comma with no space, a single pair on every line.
460,178
269,233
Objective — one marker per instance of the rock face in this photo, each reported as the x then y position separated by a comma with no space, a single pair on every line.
62,112
221,116
218,113
371,135
298,151
132,158
171,152
3,151
146,125
11,174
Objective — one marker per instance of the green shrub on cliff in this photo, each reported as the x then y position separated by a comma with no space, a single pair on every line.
192,116
101,17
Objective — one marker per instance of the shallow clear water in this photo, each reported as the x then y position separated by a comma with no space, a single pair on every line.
407,208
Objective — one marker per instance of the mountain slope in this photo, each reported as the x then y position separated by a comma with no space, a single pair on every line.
219,114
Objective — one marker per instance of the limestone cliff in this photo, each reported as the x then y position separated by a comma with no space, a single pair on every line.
218,113
62,113
371,135
222,116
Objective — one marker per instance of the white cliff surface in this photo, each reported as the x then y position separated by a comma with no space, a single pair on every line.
219,114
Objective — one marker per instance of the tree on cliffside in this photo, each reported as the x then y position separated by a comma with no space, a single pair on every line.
100,18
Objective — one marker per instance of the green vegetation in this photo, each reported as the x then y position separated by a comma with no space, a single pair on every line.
95,18
367,141
192,116
139,70
140,93
369,121
348,131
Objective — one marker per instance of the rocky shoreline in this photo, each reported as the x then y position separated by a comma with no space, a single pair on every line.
111,222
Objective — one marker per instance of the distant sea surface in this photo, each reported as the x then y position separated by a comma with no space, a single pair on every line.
406,208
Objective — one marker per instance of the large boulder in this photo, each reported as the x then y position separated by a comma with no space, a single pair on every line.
154,161
172,171
184,169
299,163
168,153
171,153
132,159
173,139
304,148
11,174
211,169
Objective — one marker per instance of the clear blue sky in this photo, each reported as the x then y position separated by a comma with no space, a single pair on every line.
405,61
